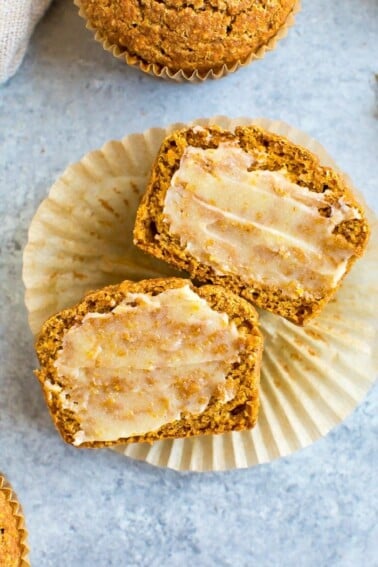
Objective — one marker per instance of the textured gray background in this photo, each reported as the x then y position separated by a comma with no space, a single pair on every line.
86,508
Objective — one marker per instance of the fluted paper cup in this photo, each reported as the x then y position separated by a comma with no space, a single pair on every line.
13,535
312,377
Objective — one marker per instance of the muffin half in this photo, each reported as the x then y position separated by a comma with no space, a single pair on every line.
253,212
151,360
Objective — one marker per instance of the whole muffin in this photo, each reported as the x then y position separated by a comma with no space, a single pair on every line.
188,35
13,546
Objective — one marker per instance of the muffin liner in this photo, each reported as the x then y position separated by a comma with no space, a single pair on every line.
196,76
312,377
11,498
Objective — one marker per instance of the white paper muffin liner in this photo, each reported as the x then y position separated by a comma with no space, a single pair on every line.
312,378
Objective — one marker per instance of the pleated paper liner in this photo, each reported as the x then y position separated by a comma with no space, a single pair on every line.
14,507
195,76
81,239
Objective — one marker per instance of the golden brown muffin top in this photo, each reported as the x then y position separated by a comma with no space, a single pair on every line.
188,34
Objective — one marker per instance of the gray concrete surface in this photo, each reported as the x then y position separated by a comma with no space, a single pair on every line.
98,509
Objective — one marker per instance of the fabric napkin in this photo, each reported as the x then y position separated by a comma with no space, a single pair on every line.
17,21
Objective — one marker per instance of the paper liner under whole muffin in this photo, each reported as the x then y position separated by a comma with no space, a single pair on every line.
180,76
15,506
312,377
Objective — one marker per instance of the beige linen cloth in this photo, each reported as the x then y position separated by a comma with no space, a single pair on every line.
17,21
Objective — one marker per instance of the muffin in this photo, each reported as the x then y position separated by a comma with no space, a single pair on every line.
149,360
308,381
176,36
253,212
13,548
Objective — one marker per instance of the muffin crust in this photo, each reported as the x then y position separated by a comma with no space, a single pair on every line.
188,35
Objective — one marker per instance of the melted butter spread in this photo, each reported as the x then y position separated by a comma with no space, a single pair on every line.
140,366
256,224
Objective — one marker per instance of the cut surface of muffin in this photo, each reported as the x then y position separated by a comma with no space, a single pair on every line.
254,212
151,360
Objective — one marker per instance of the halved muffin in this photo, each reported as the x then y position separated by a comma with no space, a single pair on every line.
149,360
253,212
